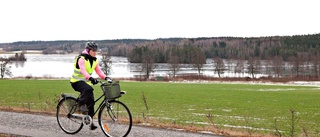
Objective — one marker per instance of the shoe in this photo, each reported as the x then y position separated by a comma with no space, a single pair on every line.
93,127
83,109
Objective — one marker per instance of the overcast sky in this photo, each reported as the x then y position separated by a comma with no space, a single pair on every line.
29,20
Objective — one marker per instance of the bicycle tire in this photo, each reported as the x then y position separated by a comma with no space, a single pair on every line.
68,124
115,120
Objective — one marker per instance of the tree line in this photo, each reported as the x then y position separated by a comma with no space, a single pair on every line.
275,54
222,47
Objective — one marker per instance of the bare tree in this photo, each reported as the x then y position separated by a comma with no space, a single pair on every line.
229,65
218,66
315,64
106,63
253,67
296,65
147,64
239,68
198,59
306,69
174,64
277,65
4,69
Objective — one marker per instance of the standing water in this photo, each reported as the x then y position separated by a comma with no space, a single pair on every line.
61,66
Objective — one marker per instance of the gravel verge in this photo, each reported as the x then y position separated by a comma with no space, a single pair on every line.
33,125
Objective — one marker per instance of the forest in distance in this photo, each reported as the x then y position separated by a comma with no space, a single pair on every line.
212,47
292,56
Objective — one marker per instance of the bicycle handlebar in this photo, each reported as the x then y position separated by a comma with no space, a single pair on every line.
109,80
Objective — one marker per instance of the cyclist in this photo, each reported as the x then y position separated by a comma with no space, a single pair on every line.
82,81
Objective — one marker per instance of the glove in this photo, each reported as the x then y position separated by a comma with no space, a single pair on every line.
108,79
93,80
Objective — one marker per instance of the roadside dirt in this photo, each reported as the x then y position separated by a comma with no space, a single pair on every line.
40,125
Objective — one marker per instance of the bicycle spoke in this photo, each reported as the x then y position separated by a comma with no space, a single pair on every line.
68,124
115,119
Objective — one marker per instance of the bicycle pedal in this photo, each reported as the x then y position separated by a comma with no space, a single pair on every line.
93,127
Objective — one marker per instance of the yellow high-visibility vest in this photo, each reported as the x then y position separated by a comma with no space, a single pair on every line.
77,75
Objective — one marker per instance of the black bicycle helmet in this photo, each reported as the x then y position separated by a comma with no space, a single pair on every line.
92,46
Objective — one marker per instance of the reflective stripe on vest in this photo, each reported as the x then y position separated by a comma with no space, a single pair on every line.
77,75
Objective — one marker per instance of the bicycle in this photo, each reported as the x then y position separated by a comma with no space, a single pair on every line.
114,117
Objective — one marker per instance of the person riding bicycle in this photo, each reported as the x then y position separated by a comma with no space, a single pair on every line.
82,80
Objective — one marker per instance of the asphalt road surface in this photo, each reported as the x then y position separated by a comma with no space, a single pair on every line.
33,125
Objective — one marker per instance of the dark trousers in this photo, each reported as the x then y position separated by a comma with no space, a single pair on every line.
86,95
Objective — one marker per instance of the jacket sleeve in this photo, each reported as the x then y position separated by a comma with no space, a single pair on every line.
99,72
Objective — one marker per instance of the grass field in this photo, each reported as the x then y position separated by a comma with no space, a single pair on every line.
251,108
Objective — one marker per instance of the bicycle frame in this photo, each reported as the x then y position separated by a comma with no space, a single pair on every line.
105,101
69,115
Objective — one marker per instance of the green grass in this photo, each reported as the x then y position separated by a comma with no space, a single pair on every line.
252,108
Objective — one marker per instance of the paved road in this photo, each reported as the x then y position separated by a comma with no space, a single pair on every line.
46,126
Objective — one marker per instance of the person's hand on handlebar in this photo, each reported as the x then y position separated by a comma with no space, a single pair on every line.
93,80
108,79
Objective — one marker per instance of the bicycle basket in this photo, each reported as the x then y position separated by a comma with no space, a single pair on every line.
111,90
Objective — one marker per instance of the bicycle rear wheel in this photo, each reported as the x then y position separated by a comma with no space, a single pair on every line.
115,119
65,108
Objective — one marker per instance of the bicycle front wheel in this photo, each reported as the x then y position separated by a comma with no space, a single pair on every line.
65,108
115,119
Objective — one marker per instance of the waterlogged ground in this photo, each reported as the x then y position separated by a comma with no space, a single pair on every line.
246,122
